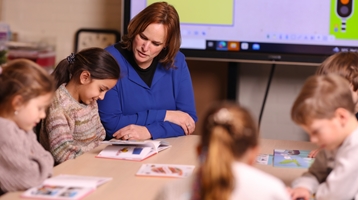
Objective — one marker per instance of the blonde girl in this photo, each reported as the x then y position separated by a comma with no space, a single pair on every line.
26,90
227,151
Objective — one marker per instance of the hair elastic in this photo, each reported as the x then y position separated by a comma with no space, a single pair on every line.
223,116
71,58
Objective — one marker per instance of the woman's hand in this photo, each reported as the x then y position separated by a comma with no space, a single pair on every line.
132,132
182,119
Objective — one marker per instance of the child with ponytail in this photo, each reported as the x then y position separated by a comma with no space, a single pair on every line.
73,126
227,151
26,90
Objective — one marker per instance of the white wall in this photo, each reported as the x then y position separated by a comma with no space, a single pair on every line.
58,20
286,83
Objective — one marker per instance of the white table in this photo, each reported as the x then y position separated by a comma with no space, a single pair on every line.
126,186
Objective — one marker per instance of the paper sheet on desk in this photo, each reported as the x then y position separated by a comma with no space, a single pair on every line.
157,145
264,159
292,158
132,150
165,170
65,187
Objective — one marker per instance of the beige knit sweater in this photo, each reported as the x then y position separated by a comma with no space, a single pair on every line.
70,128
24,163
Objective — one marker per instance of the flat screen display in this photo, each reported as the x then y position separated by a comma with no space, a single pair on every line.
303,31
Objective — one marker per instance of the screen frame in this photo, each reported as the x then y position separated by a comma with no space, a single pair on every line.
239,56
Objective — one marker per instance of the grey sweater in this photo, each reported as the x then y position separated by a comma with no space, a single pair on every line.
333,175
24,163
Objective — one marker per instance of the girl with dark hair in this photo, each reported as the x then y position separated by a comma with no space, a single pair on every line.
73,126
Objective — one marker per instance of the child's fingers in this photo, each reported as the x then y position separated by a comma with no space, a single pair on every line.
313,153
299,195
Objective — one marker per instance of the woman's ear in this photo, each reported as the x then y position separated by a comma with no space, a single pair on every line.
85,77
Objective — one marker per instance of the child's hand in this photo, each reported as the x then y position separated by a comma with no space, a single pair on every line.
132,132
299,193
313,153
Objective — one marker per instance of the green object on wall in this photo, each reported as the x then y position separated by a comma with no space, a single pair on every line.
344,27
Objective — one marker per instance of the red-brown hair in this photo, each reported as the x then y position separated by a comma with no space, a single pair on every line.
160,13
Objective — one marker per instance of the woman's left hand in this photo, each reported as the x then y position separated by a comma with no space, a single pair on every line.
132,132
182,119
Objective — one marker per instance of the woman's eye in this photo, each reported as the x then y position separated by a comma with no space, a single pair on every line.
143,37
